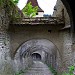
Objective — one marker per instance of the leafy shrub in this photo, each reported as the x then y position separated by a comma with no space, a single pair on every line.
70,72
52,70
29,10
19,73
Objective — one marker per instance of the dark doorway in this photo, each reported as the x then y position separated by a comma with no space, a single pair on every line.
36,56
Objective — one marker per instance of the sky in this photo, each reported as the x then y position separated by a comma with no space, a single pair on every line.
46,5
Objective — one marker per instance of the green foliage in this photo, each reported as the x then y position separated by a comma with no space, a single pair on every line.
15,1
20,72
29,10
65,73
10,8
52,70
71,69
1,2
8,1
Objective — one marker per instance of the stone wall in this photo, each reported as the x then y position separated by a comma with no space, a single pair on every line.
22,33
5,59
21,62
16,35
67,52
65,35
61,12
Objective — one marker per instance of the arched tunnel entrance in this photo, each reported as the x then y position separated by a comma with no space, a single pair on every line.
36,56
36,49
23,54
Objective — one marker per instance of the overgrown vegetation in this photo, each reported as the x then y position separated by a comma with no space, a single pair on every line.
13,1
52,70
20,72
14,12
29,10
70,72
11,8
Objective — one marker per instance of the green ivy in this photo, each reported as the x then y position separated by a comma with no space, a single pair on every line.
10,8
4,1
15,1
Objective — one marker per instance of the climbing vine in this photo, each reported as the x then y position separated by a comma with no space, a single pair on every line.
9,3
10,7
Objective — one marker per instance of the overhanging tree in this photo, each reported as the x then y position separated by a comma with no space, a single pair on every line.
29,10
7,1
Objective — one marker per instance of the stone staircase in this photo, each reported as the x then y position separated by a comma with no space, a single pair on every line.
38,68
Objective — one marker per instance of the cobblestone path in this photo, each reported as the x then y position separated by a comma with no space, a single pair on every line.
38,68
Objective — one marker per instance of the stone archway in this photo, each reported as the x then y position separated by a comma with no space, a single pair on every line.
5,39
68,7
42,49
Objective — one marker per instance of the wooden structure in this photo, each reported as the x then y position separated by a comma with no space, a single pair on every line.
40,20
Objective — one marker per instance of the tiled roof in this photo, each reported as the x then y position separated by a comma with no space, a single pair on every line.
35,3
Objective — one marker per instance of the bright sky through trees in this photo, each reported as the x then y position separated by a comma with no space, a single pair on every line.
46,5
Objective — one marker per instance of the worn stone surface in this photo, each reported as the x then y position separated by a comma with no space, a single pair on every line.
67,52
5,59
24,33
60,11
21,62
38,68
65,35
11,39
44,47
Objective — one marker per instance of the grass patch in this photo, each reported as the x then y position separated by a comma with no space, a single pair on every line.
20,72
52,70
